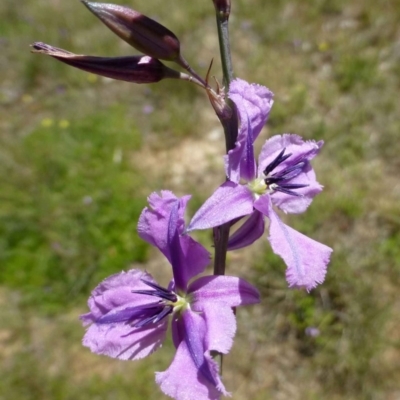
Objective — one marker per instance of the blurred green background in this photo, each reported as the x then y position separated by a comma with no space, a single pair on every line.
79,154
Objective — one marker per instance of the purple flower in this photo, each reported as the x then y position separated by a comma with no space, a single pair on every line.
312,331
129,311
284,178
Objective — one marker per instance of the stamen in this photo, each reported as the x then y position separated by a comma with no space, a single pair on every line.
129,314
163,313
158,292
166,296
284,189
155,318
155,286
277,182
141,315
278,160
291,172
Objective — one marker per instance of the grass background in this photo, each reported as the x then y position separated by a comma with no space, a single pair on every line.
79,154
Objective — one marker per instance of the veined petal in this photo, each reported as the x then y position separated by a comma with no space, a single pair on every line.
120,340
116,291
179,267
240,163
154,225
248,233
153,221
298,150
230,290
112,306
195,256
253,103
305,258
193,374
221,325
228,202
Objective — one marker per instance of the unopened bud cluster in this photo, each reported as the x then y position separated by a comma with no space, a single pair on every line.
141,32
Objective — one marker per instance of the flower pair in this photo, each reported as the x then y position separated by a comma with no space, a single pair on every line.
129,311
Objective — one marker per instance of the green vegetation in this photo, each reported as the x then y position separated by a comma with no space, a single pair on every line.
79,155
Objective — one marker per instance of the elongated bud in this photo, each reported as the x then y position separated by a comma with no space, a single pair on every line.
137,69
222,8
141,32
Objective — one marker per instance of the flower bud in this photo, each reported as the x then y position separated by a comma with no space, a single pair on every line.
141,32
223,8
137,69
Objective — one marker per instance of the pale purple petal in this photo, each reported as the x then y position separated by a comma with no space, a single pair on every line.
193,374
195,257
111,304
181,380
253,100
231,290
153,221
253,103
188,259
221,324
228,202
154,225
299,150
246,164
116,291
251,230
181,270
122,341
305,258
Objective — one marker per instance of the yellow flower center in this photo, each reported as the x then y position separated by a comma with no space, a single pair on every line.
258,186
181,304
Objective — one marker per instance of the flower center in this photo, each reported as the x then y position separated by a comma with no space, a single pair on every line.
280,181
181,304
168,302
258,187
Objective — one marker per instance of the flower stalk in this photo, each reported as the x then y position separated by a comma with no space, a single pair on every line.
129,313
230,125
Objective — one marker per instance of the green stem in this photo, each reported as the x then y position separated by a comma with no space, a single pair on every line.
221,233
225,51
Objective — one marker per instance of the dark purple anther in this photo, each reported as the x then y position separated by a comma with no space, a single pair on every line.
279,180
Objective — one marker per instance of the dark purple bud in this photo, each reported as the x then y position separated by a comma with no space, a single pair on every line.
137,69
223,8
141,32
